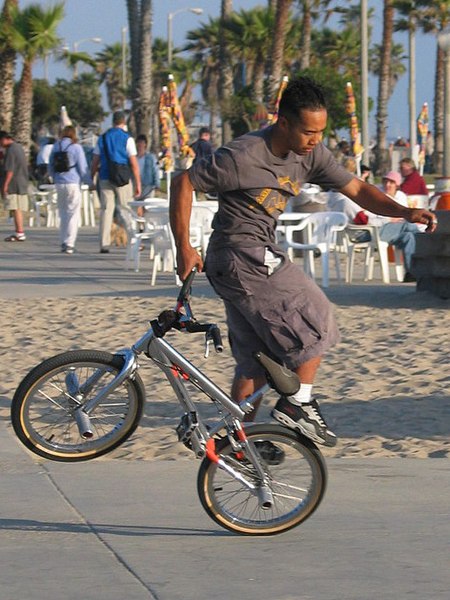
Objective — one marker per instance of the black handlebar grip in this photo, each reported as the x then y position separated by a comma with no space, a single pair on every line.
216,338
186,287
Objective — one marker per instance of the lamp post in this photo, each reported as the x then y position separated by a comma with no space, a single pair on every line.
170,16
364,83
412,84
124,56
444,45
96,40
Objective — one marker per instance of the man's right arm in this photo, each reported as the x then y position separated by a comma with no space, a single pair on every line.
6,182
95,165
180,216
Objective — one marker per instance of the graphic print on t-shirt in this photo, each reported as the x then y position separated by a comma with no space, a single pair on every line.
272,200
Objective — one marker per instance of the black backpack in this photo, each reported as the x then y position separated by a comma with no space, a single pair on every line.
61,162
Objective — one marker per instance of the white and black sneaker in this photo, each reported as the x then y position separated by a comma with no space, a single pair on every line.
307,419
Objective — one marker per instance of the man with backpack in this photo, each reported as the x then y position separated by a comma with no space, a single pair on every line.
68,169
115,159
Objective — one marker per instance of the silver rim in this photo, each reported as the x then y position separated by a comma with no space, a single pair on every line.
47,413
296,486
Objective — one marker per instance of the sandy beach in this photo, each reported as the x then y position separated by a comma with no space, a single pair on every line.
384,389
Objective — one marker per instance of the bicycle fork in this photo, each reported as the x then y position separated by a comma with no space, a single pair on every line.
261,490
77,392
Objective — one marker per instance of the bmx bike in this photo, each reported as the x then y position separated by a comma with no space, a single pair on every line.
254,479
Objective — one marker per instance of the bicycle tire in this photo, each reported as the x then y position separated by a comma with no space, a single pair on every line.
297,484
42,408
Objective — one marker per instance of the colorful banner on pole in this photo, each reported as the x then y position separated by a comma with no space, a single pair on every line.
422,131
170,111
164,125
186,151
350,109
273,116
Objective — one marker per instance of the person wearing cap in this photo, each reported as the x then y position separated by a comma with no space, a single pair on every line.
394,231
116,145
413,182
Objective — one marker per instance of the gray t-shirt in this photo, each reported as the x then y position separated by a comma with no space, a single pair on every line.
15,161
254,186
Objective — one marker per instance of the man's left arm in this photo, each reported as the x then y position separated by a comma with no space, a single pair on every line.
136,174
374,200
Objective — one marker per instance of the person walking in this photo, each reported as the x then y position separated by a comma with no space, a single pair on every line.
15,184
271,304
115,150
69,169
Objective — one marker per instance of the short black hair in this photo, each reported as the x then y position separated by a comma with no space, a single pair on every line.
119,117
142,138
365,169
203,130
301,94
5,135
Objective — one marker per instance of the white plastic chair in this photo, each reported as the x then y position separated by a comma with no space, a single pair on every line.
87,207
374,247
132,224
322,229
201,226
164,253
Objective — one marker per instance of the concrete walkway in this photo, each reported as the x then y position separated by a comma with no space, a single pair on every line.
134,530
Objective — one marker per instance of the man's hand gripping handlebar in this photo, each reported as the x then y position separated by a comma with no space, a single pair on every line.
181,318
188,260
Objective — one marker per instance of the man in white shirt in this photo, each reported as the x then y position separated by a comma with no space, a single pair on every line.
120,149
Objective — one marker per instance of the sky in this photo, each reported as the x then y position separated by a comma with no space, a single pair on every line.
86,19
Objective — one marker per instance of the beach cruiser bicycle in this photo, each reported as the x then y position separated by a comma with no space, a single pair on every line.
254,479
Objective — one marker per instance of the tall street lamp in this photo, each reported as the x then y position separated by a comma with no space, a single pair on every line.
365,83
412,84
444,45
96,40
170,16
124,56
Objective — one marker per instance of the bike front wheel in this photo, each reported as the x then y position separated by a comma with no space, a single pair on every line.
295,474
43,410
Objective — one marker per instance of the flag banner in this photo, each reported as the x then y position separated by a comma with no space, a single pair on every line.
350,109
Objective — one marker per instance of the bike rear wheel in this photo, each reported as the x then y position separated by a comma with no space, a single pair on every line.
297,480
44,405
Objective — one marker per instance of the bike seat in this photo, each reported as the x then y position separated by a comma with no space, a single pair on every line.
284,381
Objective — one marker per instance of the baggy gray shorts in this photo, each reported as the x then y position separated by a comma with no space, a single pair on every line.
284,314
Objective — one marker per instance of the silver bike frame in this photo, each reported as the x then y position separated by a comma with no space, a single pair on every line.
165,356
172,363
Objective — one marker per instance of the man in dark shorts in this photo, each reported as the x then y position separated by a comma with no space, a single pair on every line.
271,305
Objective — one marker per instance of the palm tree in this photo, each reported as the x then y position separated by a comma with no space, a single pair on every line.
434,18
204,43
276,61
140,31
311,9
383,82
250,34
72,59
33,34
7,65
109,66
396,65
339,50
225,70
